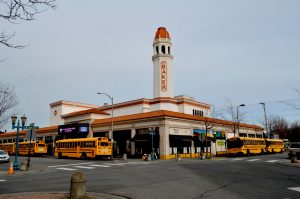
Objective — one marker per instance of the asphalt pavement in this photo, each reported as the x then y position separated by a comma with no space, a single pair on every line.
267,176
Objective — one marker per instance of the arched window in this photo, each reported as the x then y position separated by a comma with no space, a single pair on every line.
169,50
157,50
163,49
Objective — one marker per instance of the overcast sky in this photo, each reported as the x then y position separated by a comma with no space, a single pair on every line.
245,51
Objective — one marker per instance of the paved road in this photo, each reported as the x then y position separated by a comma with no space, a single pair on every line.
251,177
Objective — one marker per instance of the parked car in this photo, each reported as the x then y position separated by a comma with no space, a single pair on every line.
294,147
4,157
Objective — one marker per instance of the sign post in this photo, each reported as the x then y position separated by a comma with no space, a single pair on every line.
32,133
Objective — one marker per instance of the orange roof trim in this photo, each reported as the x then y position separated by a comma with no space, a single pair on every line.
162,33
164,113
84,112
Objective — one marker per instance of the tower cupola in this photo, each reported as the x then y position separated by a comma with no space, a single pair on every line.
162,64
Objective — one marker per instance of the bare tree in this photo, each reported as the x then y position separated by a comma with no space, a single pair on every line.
8,100
232,114
209,125
278,126
15,11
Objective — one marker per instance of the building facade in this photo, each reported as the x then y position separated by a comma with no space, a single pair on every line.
166,124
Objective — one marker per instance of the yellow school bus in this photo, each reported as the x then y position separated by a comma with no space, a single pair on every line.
84,148
245,146
36,148
274,145
10,148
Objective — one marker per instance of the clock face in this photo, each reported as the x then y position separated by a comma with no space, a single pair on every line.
55,112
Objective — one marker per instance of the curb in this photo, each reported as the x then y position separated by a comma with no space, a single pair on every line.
92,194
290,164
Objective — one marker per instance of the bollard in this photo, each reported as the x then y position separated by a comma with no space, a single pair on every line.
293,157
77,189
179,157
149,157
24,166
124,156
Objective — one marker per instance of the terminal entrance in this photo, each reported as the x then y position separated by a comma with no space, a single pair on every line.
143,142
121,144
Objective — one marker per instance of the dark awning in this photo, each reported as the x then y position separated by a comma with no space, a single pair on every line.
141,138
184,138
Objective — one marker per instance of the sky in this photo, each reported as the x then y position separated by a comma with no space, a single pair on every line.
243,51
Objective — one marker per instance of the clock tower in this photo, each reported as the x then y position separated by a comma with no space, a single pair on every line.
162,64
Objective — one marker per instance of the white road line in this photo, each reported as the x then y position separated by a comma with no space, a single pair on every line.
252,160
99,165
2,180
83,167
295,188
115,164
236,159
66,169
270,161
65,165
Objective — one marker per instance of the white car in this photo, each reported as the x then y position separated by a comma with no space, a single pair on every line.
4,157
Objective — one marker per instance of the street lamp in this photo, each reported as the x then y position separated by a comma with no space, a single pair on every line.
112,114
31,127
266,121
152,132
237,118
13,121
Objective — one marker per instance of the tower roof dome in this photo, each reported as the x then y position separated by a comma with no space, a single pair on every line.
162,33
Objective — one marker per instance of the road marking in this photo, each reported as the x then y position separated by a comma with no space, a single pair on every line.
99,165
236,159
66,169
115,164
295,188
2,180
65,165
83,167
270,161
252,160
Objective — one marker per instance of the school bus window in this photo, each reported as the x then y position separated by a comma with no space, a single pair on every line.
103,144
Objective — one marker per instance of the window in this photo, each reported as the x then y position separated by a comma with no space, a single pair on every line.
169,50
163,49
198,112
103,144
157,50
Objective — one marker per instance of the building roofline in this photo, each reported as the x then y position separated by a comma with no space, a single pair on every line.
165,113
85,112
64,102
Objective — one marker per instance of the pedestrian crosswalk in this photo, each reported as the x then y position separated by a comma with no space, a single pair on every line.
252,160
93,165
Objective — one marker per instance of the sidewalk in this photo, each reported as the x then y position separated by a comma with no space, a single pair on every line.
287,162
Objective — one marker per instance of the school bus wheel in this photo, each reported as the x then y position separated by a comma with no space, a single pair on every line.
83,156
59,155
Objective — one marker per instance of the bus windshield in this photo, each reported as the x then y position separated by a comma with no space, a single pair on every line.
234,143
103,144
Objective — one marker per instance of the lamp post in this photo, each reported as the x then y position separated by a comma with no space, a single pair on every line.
112,111
13,121
112,114
237,118
152,132
31,127
266,121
